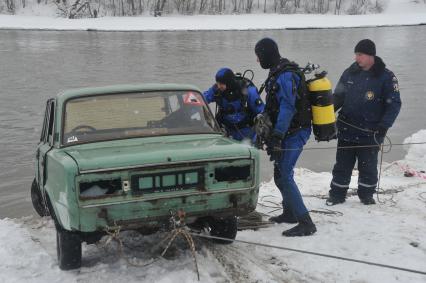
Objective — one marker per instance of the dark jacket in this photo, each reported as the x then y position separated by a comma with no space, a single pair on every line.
368,100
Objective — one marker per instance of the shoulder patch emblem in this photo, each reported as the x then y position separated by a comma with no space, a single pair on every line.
369,95
395,84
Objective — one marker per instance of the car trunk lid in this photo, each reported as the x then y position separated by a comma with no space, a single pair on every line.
129,153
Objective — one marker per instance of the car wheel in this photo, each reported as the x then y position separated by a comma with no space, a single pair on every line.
224,228
68,247
37,200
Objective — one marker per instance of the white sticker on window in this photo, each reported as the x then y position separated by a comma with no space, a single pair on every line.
72,139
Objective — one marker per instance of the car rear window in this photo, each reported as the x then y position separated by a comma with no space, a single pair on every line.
129,115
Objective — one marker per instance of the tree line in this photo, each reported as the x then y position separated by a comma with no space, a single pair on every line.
96,8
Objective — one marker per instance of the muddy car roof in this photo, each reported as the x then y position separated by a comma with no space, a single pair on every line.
72,93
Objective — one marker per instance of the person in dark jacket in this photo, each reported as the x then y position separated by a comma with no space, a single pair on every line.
238,103
291,128
368,98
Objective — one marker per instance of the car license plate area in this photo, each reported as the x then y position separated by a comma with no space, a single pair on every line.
167,181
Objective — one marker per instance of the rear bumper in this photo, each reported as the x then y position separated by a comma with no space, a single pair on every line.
156,212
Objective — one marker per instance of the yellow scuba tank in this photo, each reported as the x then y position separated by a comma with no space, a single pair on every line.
321,98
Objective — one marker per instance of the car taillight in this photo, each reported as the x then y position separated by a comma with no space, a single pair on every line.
232,173
100,188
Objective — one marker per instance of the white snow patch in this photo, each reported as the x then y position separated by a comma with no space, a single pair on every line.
416,153
398,12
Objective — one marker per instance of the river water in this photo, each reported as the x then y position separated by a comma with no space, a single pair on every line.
36,65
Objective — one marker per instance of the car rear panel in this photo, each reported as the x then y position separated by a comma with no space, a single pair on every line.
145,197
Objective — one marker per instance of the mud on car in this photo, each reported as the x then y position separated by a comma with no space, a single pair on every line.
129,157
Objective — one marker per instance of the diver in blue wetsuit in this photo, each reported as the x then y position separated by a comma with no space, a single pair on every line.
237,101
288,110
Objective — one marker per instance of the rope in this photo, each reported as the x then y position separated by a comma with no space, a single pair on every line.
354,146
279,206
326,212
313,253
422,197
187,236
183,232
114,236
378,180
380,145
353,192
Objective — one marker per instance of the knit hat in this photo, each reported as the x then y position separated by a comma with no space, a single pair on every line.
225,76
366,46
267,51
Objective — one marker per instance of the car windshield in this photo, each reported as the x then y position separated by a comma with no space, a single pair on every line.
129,115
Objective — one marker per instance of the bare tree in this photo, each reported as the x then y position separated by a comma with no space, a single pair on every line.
249,6
320,6
297,3
358,7
337,8
221,6
132,5
141,7
203,6
90,8
159,7
283,6
76,10
10,5
113,6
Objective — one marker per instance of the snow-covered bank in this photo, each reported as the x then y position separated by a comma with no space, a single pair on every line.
224,22
391,232
397,13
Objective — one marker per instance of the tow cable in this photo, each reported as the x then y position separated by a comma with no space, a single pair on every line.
178,228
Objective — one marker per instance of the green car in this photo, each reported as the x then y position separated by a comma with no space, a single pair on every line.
133,156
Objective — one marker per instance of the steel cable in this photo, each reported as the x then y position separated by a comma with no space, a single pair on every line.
313,253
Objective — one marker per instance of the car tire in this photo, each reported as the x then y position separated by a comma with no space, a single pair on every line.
68,247
37,200
224,228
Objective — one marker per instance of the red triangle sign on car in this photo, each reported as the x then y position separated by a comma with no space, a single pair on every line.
192,99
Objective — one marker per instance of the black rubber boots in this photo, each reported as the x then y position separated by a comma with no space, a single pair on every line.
305,227
285,217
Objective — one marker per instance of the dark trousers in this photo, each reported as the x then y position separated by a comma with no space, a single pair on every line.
345,162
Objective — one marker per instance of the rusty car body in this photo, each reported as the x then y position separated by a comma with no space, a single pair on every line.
130,156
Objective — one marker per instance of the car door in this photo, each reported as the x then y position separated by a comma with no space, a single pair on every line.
46,142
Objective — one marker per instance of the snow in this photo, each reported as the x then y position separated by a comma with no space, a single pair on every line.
93,191
391,232
397,12
416,153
